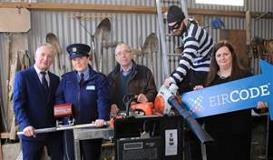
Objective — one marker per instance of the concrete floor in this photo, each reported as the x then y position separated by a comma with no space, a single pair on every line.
11,151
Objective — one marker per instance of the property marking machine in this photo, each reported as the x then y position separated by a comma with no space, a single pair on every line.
63,113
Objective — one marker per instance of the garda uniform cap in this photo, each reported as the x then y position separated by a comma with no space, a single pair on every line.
78,50
175,14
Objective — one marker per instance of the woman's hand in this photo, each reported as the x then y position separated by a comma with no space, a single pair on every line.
261,105
198,87
99,122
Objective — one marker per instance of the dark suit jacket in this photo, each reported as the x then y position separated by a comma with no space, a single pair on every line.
30,103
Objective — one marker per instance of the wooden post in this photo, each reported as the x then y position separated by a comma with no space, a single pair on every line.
1,153
248,38
248,27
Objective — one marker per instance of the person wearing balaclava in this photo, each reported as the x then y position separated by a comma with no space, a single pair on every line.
193,63
195,57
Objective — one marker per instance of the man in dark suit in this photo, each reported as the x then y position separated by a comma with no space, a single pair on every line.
34,98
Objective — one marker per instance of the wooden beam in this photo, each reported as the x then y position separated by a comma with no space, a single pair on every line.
4,135
123,9
248,28
210,12
81,7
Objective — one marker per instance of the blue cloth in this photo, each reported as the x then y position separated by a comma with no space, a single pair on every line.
33,108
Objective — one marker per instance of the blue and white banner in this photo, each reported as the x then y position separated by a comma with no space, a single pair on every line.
232,96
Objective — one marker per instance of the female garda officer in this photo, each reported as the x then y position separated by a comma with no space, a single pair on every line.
87,91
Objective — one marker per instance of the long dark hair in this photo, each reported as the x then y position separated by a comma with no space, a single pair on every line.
236,71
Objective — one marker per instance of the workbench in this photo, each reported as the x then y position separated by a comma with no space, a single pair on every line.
89,133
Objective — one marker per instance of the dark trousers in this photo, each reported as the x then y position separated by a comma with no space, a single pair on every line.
90,149
230,147
33,149
191,142
192,146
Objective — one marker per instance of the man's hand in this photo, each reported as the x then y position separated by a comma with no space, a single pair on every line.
261,105
99,122
168,82
29,131
198,87
142,98
114,110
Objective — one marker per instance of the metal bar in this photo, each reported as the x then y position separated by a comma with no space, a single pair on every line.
42,130
184,7
61,128
162,39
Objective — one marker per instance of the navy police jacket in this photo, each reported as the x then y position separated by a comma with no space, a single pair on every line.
91,101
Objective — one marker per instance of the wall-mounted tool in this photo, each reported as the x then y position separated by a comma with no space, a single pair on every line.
102,35
52,39
149,47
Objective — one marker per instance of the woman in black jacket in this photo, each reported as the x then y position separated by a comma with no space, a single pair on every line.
231,131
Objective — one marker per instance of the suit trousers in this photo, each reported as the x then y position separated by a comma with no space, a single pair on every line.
33,149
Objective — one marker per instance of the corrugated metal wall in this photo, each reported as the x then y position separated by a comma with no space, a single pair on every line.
132,28
129,28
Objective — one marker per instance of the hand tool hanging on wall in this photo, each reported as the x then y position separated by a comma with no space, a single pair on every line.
93,53
5,110
98,39
93,45
165,61
102,35
53,40
150,47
